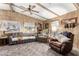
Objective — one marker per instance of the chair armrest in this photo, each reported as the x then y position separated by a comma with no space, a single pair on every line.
66,46
66,42
50,39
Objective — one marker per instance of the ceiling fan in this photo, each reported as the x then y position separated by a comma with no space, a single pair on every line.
30,9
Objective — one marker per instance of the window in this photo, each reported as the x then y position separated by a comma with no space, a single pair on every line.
30,27
55,25
9,25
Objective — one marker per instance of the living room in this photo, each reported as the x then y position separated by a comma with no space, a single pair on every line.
39,29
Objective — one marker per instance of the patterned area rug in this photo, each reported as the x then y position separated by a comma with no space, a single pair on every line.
28,49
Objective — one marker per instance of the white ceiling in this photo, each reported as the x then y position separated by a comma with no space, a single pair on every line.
58,8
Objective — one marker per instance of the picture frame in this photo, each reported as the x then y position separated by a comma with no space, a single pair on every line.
70,23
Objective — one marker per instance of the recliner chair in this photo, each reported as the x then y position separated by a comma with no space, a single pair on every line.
63,48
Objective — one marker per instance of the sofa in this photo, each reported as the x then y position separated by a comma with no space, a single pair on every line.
19,38
42,38
62,44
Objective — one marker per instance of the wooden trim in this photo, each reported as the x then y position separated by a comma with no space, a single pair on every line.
69,25
11,6
41,16
47,9
75,4
23,9
71,19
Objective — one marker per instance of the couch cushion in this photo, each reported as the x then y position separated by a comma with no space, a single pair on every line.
61,38
29,37
23,38
14,39
67,34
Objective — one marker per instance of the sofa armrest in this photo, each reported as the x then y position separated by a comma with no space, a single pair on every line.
50,40
67,42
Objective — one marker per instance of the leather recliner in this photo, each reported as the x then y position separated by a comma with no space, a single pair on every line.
63,48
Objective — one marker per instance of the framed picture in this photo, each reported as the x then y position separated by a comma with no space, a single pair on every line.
46,25
70,23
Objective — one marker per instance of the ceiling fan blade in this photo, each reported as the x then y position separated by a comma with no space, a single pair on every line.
29,6
30,12
24,10
35,11
22,7
33,6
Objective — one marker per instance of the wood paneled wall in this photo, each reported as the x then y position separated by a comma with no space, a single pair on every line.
74,30
15,16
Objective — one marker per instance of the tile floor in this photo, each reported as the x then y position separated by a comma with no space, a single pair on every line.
29,49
